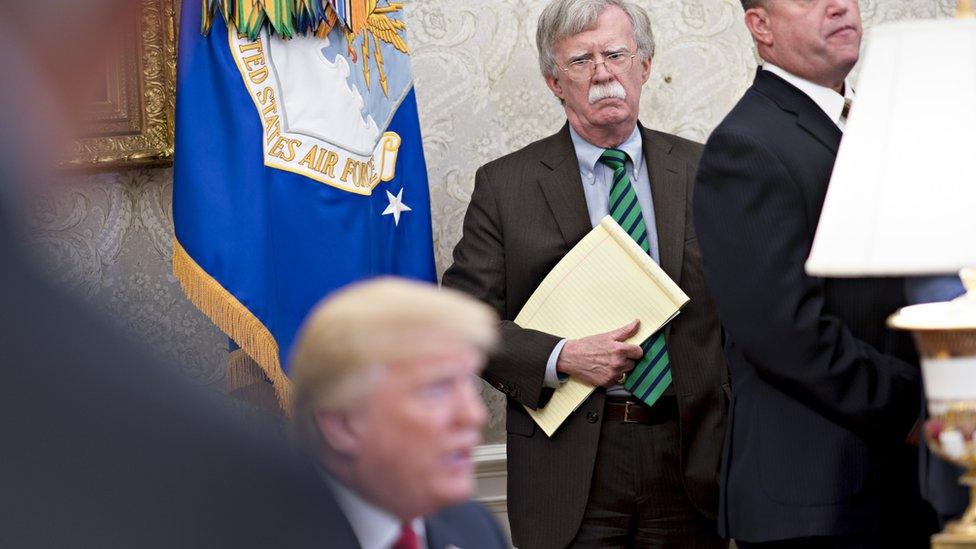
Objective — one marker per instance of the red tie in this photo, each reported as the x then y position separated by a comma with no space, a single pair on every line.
408,538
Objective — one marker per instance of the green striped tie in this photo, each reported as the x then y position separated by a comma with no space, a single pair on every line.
652,374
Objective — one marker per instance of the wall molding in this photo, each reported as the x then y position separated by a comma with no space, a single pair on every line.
491,474
490,460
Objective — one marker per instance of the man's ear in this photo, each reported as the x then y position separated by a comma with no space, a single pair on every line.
645,70
556,86
338,431
757,21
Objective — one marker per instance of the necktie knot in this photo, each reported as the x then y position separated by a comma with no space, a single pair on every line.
408,538
847,110
614,158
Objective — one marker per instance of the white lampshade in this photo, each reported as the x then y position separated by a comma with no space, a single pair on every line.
902,198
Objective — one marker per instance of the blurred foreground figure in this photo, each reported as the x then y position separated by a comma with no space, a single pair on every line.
386,395
102,445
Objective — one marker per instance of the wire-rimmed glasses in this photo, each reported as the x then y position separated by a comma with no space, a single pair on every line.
617,63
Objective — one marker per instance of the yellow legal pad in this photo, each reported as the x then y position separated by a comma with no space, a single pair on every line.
604,282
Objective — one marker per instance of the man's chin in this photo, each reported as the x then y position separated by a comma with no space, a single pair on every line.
846,62
611,116
457,490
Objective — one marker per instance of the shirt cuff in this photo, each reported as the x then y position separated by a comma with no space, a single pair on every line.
553,378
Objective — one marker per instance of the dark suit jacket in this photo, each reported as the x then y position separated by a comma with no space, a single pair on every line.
527,211
823,394
467,525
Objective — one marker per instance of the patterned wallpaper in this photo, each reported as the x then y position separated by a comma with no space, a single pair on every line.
480,96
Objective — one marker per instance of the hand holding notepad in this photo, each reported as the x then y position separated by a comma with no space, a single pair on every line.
603,283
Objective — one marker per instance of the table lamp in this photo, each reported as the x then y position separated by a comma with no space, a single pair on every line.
902,201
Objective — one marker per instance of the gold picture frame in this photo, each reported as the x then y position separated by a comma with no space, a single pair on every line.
130,121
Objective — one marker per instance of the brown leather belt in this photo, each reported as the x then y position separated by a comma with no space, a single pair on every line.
631,410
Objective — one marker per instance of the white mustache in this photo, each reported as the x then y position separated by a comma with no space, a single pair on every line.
606,90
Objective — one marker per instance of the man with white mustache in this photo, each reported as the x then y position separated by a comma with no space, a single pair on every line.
608,90
622,470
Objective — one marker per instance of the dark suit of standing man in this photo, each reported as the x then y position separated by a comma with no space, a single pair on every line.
617,472
824,396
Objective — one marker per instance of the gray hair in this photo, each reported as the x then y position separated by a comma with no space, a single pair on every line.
749,4
563,18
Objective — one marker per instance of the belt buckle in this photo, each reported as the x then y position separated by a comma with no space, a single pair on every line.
627,406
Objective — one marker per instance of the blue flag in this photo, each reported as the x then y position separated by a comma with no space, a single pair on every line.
299,168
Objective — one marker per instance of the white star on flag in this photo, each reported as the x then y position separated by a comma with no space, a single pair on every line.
396,206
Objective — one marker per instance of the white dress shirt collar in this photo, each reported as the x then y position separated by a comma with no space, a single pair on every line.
588,154
374,527
831,102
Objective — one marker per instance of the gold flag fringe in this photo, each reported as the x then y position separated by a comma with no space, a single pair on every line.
246,382
243,371
285,18
234,319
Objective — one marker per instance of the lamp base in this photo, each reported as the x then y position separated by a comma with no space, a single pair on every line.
961,533
946,540
945,335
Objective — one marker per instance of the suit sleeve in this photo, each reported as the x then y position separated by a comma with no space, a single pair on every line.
518,367
497,536
753,233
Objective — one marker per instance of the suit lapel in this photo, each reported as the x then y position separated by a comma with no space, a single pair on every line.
809,116
668,191
819,126
563,188
343,534
440,534
434,540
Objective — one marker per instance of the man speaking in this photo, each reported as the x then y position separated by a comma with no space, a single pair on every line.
386,397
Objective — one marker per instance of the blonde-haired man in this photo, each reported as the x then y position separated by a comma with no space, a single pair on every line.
386,395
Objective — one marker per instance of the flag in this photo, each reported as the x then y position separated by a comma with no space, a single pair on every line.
298,167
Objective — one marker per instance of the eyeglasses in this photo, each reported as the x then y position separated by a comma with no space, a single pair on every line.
616,63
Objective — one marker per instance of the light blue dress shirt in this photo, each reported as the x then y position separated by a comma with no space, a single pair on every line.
597,179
